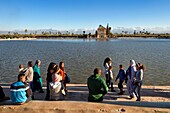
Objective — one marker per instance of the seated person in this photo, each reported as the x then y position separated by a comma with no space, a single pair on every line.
20,91
56,87
2,95
97,87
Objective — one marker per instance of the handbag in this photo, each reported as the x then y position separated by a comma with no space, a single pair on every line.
67,78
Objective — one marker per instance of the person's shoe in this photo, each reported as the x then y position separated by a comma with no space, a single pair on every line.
131,96
112,90
138,100
20,103
121,93
41,91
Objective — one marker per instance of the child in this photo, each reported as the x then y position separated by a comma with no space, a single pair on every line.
21,68
29,74
62,73
20,91
121,76
110,78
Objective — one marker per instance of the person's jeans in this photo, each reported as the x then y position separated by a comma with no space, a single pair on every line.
137,89
120,85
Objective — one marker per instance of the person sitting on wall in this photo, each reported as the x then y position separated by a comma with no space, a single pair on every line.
2,95
20,91
97,87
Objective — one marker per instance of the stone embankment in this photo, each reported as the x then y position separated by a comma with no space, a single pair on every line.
155,99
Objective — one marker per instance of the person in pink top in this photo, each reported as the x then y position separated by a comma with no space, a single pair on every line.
56,87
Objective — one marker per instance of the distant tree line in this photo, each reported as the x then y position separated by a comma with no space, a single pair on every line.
44,34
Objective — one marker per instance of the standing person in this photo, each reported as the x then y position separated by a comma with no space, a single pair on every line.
50,71
130,73
110,79
121,76
106,64
29,74
138,81
97,87
37,80
62,72
20,91
2,95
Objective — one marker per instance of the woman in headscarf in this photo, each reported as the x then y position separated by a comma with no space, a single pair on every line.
130,73
37,80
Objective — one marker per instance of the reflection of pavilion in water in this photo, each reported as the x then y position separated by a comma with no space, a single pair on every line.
102,32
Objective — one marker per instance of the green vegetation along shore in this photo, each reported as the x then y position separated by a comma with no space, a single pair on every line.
46,36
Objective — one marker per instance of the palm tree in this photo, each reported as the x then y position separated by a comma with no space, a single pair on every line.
84,32
26,31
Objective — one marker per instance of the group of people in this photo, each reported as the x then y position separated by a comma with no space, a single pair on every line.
30,81
133,77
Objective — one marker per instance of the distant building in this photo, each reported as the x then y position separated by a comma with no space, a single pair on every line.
103,32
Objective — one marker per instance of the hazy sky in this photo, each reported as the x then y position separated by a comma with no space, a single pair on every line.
75,14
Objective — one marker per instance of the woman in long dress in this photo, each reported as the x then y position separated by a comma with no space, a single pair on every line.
37,80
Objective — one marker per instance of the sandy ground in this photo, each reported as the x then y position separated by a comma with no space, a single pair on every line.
155,99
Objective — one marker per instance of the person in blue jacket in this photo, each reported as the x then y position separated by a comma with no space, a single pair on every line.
121,76
20,91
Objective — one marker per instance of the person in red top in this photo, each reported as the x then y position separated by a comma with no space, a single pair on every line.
63,74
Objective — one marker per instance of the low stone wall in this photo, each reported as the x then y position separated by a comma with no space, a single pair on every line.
155,99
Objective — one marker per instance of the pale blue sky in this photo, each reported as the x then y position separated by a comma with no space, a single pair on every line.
75,14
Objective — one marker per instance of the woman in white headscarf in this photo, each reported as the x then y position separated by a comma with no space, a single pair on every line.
131,71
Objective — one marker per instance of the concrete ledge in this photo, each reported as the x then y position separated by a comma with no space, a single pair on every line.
155,99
